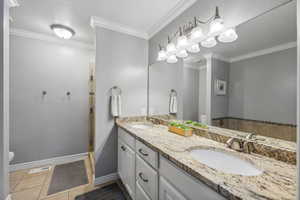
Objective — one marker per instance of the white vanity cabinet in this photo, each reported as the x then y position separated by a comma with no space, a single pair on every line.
126,166
149,176
167,191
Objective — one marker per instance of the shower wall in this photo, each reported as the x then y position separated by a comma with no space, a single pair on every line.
54,124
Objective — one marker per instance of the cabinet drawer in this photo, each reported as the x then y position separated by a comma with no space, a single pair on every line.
147,178
147,154
140,194
126,137
186,184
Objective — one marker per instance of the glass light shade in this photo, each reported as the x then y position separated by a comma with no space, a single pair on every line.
182,53
172,59
209,42
197,34
182,42
162,55
216,25
229,35
171,48
194,48
62,31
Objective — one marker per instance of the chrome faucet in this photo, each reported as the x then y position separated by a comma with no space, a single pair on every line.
234,143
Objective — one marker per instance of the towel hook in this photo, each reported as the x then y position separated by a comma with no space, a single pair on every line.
116,88
173,92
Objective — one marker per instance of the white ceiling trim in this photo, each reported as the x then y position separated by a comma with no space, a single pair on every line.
178,9
265,51
104,23
48,38
220,57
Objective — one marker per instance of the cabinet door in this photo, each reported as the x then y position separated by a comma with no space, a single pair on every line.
121,159
168,192
130,171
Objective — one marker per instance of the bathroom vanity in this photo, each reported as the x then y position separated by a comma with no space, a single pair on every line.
156,164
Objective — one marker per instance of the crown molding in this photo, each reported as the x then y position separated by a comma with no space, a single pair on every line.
49,38
265,51
104,23
179,8
220,57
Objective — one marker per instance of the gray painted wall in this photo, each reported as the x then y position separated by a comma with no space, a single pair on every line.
4,98
264,87
53,125
121,60
190,93
219,104
202,92
162,78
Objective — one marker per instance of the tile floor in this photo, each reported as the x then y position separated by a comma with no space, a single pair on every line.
24,186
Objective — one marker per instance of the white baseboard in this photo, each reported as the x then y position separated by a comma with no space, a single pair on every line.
106,178
50,161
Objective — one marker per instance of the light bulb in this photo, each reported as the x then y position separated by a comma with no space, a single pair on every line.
172,59
229,35
209,42
162,55
171,49
216,25
196,34
182,53
182,42
194,48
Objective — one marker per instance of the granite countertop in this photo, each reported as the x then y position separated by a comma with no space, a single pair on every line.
278,180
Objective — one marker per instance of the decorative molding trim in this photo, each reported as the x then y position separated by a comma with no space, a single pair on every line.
265,51
180,7
13,3
220,57
49,38
106,178
114,26
50,161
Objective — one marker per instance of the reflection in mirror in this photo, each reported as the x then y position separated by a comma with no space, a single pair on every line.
248,85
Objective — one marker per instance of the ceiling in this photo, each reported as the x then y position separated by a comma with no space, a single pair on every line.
145,16
139,15
275,28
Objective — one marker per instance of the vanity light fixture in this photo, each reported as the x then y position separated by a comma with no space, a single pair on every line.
227,36
194,48
172,59
182,54
191,34
209,42
217,24
171,48
162,54
62,31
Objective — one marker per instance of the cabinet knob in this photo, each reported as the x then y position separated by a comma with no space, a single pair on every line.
142,177
143,153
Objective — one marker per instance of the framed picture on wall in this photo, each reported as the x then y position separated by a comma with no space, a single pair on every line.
220,87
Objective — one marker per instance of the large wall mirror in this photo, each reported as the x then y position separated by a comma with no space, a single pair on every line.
248,85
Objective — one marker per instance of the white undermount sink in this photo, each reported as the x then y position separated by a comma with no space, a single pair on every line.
141,126
225,162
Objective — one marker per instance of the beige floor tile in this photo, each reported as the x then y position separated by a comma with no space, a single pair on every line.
30,194
17,175
61,196
12,185
27,175
80,190
31,182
